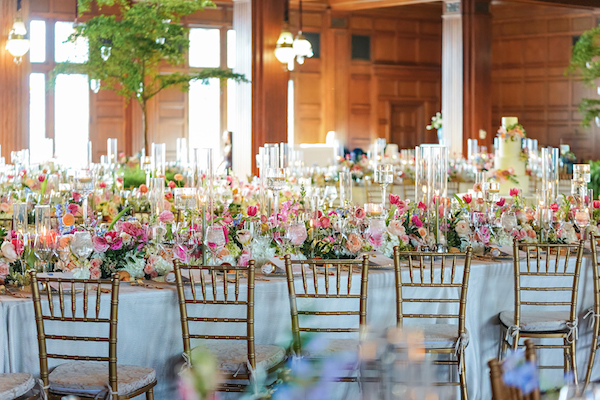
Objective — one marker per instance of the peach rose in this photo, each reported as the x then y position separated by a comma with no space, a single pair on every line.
422,232
354,243
68,219
4,207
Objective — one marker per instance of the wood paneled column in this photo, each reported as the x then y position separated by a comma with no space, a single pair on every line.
261,107
477,72
14,85
452,77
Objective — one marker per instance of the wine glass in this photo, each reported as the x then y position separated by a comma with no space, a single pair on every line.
330,195
582,220
81,245
44,246
384,175
215,239
84,182
276,182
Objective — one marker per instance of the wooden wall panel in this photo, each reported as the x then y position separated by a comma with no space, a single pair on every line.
107,120
531,48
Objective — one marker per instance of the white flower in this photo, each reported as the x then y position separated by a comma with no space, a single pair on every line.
126,238
162,266
462,228
135,267
81,273
8,251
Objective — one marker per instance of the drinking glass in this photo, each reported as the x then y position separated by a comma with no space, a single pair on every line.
84,183
330,195
582,220
215,239
276,182
45,245
81,245
384,175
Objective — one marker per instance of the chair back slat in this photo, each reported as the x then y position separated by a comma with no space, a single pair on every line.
312,291
220,296
434,269
39,284
551,261
499,389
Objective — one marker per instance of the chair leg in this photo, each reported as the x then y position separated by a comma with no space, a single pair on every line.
574,361
588,374
463,376
566,356
503,343
150,394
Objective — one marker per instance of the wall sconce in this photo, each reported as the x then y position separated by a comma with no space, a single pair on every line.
17,44
288,48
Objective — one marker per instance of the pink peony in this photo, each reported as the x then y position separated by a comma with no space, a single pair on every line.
166,217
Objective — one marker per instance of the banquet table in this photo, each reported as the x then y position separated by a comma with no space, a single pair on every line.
149,330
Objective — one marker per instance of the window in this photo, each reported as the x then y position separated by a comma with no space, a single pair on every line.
315,41
205,48
361,47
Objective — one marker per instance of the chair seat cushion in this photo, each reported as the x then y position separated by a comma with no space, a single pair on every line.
436,336
88,377
15,385
232,355
537,321
327,348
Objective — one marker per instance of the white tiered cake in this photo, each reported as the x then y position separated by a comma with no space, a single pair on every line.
509,163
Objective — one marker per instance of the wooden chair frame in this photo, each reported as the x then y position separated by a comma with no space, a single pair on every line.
203,297
596,308
40,317
428,270
336,267
502,392
553,253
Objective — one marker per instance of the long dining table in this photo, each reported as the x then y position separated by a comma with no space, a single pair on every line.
149,330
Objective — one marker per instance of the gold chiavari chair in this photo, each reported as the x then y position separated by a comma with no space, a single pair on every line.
429,272
499,389
237,355
85,376
311,291
536,291
594,311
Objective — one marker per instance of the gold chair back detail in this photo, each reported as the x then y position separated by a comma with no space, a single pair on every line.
499,389
594,312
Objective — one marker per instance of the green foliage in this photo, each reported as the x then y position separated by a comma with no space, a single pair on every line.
595,178
586,61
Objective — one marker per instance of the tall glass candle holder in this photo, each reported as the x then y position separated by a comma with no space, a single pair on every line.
550,170
181,151
158,159
111,151
42,219
157,195
84,183
431,181
384,176
345,178
20,217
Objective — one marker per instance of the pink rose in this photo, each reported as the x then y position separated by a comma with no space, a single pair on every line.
100,244
477,187
531,233
252,211
360,213
244,258
166,217
325,222
150,270
95,262
95,273
227,219
4,270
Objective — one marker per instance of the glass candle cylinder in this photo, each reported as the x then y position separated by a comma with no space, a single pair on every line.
185,198
158,159
345,178
157,195
111,151
42,219
181,151
582,172
89,154
20,217
550,170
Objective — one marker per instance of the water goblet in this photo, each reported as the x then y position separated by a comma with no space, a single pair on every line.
582,220
215,240
81,245
45,245
84,183
384,176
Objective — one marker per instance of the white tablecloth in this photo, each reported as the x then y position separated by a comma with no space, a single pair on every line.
149,330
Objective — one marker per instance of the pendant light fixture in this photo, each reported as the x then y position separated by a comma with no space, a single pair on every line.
302,47
17,43
284,50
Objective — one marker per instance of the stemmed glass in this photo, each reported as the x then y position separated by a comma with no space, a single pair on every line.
330,195
45,246
186,241
84,183
185,199
81,245
582,219
276,182
215,240
384,175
